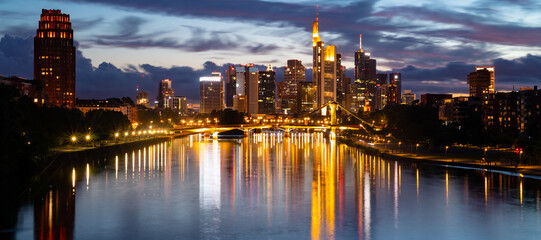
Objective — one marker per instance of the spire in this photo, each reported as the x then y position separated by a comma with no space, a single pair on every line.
315,31
360,41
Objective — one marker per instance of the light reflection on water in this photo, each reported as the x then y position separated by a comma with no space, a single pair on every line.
269,186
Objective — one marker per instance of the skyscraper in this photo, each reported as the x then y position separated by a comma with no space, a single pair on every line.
211,93
54,58
230,85
395,79
306,101
247,84
324,68
340,79
267,91
165,92
294,73
365,75
481,81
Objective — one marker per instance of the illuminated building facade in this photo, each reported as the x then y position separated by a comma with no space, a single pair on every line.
165,92
240,103
481,81
306,100
365,76
142,99
324,68
179,104
230,85
340,79
267,91
294,73
54,58
395,79
408,97
211,93
247,84
110,104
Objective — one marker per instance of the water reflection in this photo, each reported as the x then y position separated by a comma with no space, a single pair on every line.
270,186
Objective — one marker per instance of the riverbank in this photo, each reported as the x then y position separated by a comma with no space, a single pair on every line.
470,163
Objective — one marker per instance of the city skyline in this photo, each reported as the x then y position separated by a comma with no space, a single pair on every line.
425,73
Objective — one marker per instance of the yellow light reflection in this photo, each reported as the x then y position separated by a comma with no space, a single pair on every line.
521,192
417,183
73,178
87,175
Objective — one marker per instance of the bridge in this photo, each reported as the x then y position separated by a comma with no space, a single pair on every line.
330,126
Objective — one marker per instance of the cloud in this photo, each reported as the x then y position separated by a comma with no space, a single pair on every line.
430,35
86,24
520,72
107,80
17,56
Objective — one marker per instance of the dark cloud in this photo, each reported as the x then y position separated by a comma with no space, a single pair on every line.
85,24
520,72
16,56
405,34
108,80
128,36
23,31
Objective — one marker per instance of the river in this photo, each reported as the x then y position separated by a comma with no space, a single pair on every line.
267,186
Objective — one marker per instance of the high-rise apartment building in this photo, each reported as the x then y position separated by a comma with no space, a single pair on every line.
365,75
211,93
165,92
324,68
267,91
481,81
54,58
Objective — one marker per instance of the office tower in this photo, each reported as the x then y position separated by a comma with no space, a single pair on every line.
294,72
365,75
247,84
392,95
240,103
230,85
179,104
481,81
340,78
408,97
306,99
54,58
211,93
381,78
165,92
324,68
267,91
395,78
142,99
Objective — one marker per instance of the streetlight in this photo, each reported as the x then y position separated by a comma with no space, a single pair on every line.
446,148
73,140
399,148
417,149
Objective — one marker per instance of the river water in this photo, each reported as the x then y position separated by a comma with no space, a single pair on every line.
267,186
